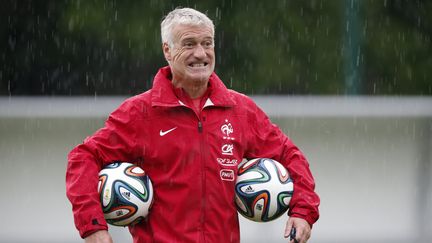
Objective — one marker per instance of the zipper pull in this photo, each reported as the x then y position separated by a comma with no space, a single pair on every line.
200,128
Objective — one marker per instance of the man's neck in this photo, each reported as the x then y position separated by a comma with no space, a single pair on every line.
193,91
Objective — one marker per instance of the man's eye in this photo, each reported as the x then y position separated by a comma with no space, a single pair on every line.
188,44
208,43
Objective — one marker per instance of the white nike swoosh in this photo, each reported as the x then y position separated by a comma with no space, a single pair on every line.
163,133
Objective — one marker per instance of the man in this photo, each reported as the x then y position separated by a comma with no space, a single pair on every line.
174,132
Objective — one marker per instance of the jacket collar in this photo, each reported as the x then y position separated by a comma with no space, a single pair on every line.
163,92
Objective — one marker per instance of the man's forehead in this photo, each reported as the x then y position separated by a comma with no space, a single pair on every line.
182,31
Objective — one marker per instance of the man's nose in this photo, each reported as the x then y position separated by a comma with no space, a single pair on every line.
199,52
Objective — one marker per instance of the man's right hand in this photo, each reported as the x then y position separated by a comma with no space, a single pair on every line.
101,236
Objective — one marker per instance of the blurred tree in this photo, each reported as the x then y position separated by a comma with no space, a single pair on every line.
30,57
288,47
397,43
101,47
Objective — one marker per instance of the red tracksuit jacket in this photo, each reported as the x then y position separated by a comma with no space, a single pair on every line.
191,158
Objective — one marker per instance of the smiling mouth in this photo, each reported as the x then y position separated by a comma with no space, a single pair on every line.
198,65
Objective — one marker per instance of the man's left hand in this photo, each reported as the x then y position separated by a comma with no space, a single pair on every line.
303,230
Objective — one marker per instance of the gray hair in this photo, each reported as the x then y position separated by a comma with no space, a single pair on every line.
186,16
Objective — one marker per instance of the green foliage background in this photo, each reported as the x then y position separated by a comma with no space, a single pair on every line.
61,47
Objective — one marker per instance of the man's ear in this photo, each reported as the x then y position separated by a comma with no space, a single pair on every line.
167,51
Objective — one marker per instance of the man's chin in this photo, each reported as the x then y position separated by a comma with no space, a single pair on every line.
200,77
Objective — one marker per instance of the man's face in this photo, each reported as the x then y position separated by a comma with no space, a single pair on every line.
192,56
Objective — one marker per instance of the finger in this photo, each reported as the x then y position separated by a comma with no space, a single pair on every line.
288,228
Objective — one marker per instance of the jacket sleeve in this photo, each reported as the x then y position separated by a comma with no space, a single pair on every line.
268,141
114,142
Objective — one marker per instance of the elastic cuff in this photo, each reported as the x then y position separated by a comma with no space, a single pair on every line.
308,218
95,225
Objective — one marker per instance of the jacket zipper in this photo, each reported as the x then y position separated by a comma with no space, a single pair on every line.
203,190
200,128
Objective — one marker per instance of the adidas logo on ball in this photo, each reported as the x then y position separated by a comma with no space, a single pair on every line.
126,195
249,189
